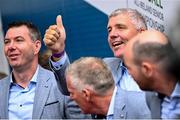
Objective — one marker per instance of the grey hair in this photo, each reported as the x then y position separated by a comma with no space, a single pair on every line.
136,18
91,72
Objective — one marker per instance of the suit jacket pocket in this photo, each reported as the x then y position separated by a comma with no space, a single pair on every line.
52,111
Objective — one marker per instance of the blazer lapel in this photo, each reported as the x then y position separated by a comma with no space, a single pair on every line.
4,98
154,104
120,111
114,65
41,94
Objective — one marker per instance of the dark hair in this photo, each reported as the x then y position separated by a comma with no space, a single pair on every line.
33,30
163,55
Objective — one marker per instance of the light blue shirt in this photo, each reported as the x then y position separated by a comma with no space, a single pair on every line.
57,65
126,82
21,100
111,106
171,105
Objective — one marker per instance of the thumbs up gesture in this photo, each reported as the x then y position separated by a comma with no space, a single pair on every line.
55,36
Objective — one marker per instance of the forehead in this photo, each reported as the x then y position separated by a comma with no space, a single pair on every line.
17,31
119,19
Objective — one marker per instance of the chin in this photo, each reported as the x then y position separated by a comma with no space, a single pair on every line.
118,54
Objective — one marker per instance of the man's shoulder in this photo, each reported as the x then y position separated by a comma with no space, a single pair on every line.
4,80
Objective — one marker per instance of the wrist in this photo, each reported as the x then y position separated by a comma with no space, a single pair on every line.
58,55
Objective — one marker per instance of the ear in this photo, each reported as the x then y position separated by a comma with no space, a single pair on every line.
86,94
37,46
147,69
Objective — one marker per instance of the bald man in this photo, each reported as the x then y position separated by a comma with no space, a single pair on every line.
153,63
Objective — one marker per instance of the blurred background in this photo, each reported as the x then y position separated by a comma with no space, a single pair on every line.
85,21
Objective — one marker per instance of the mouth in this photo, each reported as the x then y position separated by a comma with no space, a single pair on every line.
117,44
13,56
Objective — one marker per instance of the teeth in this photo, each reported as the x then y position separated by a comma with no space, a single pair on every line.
117,43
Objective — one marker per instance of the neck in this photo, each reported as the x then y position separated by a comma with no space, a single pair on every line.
166,85
23,77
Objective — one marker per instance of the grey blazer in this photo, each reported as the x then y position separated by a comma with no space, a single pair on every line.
154,103
130,105
49,103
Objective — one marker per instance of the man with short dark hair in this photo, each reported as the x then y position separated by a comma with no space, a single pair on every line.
30,91
154,65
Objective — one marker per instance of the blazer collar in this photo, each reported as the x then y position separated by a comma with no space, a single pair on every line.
4,93
41,94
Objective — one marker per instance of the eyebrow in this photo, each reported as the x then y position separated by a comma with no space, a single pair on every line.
14,38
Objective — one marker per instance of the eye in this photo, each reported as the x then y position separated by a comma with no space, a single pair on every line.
109,30
19,40
6,41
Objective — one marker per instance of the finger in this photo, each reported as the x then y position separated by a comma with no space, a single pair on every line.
49,43
59,22
55,33
48,37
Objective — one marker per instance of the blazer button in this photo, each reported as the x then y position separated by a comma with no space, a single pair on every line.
122,116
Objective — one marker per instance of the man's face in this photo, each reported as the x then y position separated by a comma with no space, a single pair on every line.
120,30
77,96
134,70
19,47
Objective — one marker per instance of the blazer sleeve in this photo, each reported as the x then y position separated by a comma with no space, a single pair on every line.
73,111
60,77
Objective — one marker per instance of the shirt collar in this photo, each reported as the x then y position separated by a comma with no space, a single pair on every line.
111,106
33,79
176,91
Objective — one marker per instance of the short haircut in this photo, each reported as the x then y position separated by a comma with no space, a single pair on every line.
33,30
136,18
164,55
92,72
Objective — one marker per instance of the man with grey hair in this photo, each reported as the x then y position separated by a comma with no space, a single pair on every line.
123,24
91,85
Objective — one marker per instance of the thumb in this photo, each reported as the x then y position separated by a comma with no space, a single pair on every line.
59,22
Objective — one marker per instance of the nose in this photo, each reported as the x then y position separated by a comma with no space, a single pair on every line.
11,46
113,34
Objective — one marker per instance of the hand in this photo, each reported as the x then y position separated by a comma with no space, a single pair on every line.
55,36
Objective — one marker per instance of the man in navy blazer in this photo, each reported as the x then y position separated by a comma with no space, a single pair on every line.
30,91
154,65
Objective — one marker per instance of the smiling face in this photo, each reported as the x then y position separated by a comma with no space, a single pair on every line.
120,30
19,48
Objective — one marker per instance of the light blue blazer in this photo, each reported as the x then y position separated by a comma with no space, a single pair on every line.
49,102
128,104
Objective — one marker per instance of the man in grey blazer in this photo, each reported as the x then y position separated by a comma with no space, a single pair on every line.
91,85
154,65
123,24
30,91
